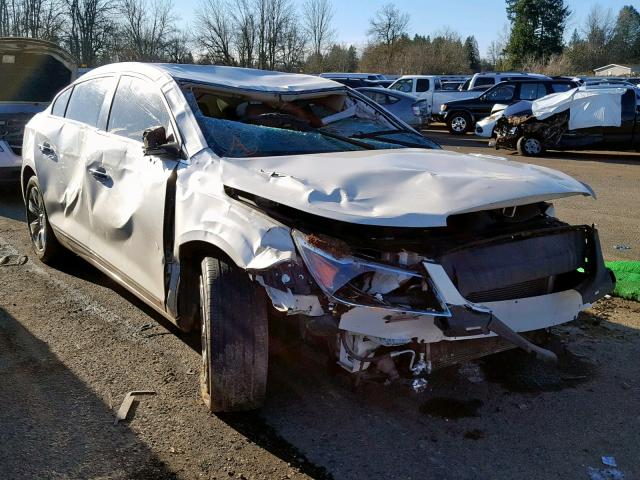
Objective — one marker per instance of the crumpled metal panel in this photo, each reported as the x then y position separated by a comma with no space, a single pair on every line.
396,188
205,213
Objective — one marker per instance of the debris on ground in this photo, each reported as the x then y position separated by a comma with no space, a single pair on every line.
127,403
609,461
13,260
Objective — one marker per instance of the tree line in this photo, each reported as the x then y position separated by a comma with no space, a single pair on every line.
300,37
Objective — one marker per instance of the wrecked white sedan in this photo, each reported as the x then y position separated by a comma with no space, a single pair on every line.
217,194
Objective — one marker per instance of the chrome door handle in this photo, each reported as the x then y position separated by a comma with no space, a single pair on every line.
99,173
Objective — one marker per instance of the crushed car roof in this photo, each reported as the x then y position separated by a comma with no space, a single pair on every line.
229,77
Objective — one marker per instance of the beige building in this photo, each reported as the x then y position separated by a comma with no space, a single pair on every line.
615,70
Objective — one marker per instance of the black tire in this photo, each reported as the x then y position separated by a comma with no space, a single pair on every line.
459,123
43,240
235,338
530,147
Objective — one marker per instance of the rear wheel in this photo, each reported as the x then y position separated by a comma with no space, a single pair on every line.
459,123
530,147
234,329
43,240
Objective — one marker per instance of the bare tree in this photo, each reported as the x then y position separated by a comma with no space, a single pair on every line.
292,47
146,26
177,48
317,20
42,19
91,29
244,17
388,24
214,31
387,27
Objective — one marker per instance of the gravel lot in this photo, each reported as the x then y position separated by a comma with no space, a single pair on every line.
72,344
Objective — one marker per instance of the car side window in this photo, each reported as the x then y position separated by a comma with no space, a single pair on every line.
529,91
560,87
136,107
60,104
422,85
481,81
390,99
87,99
405,85
371,95
502,93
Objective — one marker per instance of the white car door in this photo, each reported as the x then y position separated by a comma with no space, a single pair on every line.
58,143
127,189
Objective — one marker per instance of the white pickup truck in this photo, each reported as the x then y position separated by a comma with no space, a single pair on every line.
429,87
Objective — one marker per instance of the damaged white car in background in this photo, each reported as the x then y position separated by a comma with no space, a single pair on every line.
216,194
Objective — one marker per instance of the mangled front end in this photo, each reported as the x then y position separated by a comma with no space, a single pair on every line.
437,297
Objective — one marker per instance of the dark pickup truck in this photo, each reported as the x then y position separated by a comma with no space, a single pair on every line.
587,119
461,115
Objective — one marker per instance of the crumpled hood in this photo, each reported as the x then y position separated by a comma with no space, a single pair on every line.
397,188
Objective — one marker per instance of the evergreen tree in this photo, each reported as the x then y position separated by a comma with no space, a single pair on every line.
626,35
473,53
537,27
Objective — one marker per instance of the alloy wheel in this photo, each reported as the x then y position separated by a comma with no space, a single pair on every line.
37,220
533,146
459,124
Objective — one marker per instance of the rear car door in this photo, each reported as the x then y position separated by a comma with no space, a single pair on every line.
531,90
127,190
621,137
59,140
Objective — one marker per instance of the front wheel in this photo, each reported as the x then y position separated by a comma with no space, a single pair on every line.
530,147
459,123
43,240
235,338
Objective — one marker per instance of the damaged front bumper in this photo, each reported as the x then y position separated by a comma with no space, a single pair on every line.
499,287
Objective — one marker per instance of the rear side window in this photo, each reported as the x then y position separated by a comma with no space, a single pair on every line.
60,105
422,85
561,87
390,99
405,85
532,91
481,81
87,99
136,107
501,93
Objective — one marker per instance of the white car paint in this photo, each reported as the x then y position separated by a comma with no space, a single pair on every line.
397,188
117,225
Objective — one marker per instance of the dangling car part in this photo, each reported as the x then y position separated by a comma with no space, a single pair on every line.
217,194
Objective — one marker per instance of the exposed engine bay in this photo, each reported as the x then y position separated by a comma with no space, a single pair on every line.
447,278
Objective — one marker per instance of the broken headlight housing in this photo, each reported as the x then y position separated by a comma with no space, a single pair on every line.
356,282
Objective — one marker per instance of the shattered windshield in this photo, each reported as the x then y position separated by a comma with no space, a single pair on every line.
248,126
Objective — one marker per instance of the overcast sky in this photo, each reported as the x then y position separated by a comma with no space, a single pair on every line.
482,18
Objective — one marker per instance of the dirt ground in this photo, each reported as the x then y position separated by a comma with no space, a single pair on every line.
72,344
